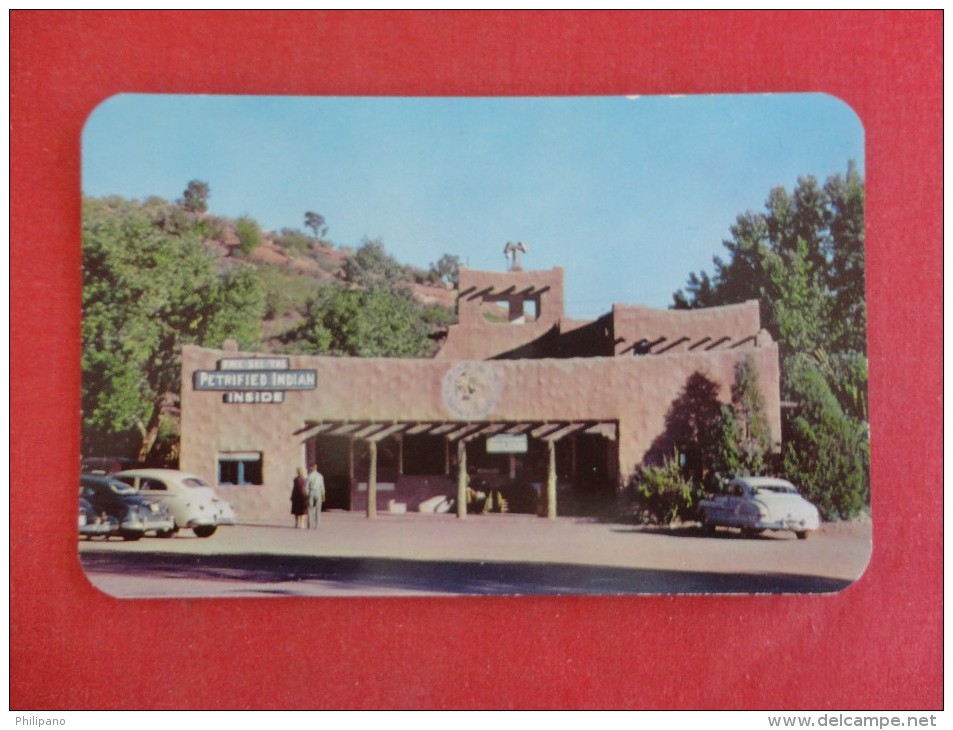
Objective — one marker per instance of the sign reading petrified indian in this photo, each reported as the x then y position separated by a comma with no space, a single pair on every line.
254,379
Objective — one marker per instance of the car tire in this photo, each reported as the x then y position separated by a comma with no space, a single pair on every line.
801,534
204,530
751,531
131,536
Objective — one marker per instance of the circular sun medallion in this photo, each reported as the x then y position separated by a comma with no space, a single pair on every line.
471,390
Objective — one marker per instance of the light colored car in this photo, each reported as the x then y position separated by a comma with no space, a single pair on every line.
756,504
191,500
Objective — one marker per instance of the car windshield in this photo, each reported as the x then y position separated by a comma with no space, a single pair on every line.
121,488
777,489
194,482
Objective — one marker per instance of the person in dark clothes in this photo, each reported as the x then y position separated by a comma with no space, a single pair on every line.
299,499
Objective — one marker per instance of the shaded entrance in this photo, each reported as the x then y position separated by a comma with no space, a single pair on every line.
399,466
332,454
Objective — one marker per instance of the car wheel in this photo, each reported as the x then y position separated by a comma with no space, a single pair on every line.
131,536
204,530
801,534
751,531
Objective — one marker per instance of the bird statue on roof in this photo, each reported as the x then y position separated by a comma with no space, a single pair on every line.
512,251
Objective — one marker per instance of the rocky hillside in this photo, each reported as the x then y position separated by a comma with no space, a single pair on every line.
294,267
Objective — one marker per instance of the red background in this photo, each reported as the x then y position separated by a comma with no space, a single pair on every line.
877,644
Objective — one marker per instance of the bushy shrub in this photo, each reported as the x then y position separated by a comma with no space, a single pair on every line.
293,242
210,228
249,234
826,452
664,494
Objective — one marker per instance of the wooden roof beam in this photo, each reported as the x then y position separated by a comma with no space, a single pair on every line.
345,429
566,430
479,294
368,430
394,428
717,343
444,428
518,428
672,345
470,429
420,428
313,429
540,431
604,428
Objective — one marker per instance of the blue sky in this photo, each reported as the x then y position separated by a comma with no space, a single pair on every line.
628,194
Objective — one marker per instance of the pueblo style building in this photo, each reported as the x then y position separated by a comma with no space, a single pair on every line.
519,397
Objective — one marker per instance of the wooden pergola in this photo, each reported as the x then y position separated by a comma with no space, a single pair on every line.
459,433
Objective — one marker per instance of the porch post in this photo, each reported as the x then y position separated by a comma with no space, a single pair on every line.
551,482
461,479
372,481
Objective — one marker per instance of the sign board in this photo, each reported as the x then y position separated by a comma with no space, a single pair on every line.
235,380
254,379
253,363
506,443
254,396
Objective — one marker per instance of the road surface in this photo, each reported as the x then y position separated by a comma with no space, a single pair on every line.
415,554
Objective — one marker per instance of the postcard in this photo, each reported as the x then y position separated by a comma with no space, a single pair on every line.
353,346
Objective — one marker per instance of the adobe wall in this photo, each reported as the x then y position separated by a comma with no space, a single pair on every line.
476,338
635,391
683,330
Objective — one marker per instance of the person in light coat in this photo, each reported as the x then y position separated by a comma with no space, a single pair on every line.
315,496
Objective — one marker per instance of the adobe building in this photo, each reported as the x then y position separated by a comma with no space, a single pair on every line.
518,396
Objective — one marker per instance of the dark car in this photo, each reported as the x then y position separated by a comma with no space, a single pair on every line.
93,523
135,514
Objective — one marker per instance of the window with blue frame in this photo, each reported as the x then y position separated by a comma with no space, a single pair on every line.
242,468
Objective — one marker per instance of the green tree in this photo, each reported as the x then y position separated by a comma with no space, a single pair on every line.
745,436
316,222
147,292
371,267
376,322
845,221
446,270
195,197
803,259
693,429
827,449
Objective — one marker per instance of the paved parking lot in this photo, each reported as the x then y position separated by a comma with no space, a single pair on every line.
416,554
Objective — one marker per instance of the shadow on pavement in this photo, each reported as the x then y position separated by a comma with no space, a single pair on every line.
698,532
367,575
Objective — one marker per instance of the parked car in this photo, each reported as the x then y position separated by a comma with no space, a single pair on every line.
191,500
134,514
756,504
93,523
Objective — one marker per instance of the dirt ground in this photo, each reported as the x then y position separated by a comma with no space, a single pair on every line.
415,554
